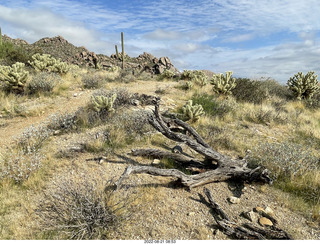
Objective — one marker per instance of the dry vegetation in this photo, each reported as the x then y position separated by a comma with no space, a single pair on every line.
58,162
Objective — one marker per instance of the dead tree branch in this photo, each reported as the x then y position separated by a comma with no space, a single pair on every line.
246,231
218,167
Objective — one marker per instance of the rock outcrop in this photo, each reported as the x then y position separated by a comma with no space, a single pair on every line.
59,47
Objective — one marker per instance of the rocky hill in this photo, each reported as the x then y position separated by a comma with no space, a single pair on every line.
59,47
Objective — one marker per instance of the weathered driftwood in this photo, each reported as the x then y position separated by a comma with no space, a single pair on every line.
246,231
218,166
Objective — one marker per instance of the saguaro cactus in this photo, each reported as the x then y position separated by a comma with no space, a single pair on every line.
304,86
223,84
0,37
122,45
15,77
192,112
117,53
100,103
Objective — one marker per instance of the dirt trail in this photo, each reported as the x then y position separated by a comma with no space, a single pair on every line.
12,127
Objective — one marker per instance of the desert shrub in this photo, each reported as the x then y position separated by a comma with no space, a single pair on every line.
126,76
14,77
92,81
62,122
284,160
81,205
304,86
43,83
10,105
254,91
18,165
135,123
24,158
267,114
10,53
223,84
212,105
314,102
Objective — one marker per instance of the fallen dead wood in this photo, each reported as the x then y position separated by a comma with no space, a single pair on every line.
218,167
246,231
189,181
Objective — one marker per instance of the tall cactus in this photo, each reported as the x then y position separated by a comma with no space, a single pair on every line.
192,112
100,103
0,37
15,77
304,86
117,53
123,54
223,84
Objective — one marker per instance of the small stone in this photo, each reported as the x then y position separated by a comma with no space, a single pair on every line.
250,215
269,211
191,214
234,200
259,209
265,221
56,132
156,162
75,94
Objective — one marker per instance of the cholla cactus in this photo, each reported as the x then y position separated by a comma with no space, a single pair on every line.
167,74
100,103
304,86
201,78
61,67
189,84
223,84
45,62
15,77
187,75
192,112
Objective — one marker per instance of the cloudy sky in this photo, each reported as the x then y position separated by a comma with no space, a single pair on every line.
252,38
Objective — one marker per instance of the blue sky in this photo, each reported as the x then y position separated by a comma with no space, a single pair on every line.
252,38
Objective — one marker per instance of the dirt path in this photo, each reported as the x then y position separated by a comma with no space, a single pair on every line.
12,127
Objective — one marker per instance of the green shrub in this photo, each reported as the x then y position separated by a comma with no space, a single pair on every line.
223,84
14,77
11,54
212,106
304,86
43,83
254,91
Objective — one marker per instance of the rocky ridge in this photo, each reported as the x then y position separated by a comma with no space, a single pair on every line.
59,47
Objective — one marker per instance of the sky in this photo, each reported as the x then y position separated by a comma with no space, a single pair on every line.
253,38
